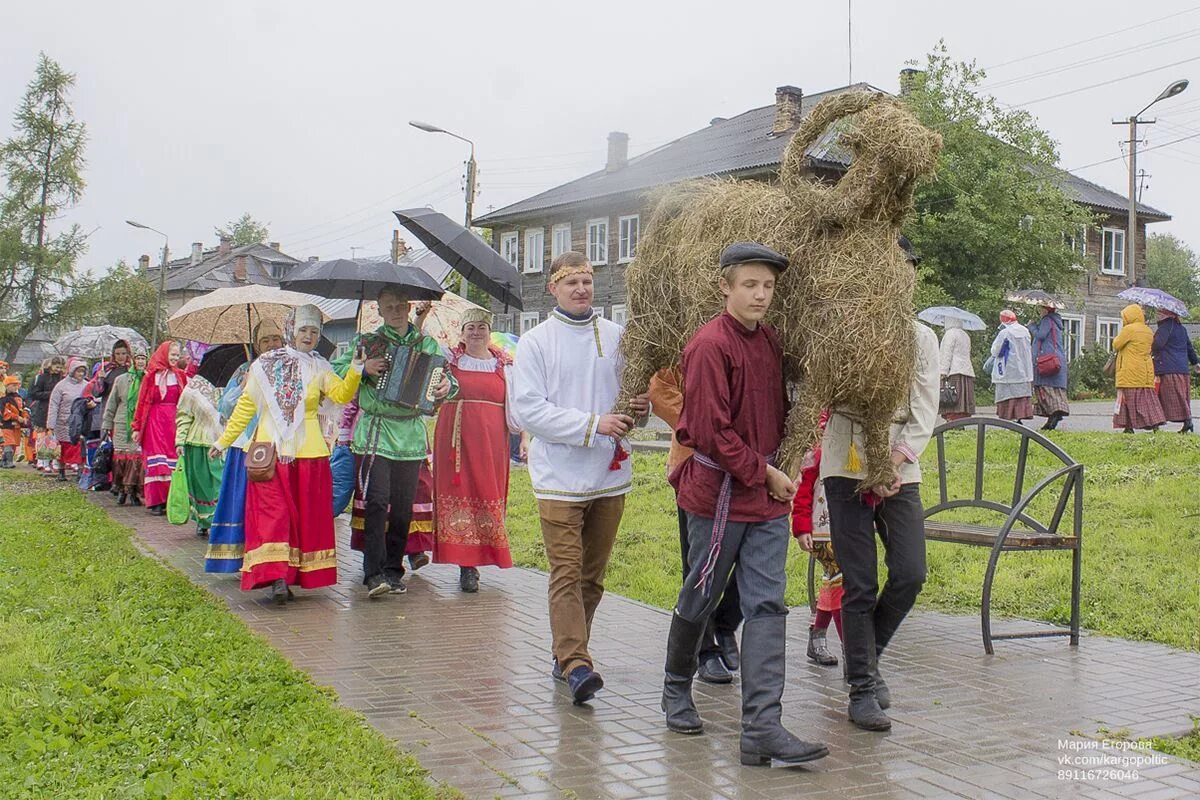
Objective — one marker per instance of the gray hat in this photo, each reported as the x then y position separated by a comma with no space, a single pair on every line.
752,252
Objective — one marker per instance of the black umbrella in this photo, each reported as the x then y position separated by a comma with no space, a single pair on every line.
347,279
220,363
465,252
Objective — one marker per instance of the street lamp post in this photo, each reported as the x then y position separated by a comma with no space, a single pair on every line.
1131,232
162,280
425,126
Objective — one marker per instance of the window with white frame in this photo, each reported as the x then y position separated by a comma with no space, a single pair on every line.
528,320
1112,252
1107,329
1073,325
535,249
561,243
502,323
508,247
628,229
1077,242
618,314
597,241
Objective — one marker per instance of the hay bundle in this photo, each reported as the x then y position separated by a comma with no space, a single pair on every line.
844,308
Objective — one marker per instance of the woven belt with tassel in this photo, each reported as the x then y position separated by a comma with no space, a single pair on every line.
456,435
720,519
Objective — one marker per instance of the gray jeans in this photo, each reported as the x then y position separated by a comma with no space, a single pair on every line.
754,553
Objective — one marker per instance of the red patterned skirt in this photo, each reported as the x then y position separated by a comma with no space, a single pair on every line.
289,527
1174,393
1138,409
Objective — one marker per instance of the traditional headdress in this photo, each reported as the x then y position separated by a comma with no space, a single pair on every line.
567,270
1007,317
476,315
306,316
265,327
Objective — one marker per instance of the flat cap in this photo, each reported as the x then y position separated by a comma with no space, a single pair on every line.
748,252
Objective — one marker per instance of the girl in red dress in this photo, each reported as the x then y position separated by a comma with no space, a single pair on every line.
154,423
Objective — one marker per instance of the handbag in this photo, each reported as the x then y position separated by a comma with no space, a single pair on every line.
1110,366
949,395
260,461
178,506
1049,364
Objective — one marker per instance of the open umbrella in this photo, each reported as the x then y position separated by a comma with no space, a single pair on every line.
444,321
348,279
465,252
506,342
96,341
1155,298
1034,297
228,316
937,315
221,362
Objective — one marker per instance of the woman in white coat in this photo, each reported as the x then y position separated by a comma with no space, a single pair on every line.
954,357
1012,369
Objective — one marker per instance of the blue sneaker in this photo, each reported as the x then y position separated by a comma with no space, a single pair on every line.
584,683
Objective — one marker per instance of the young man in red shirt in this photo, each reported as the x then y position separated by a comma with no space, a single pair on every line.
737,504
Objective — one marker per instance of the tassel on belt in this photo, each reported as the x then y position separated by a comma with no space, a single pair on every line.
720,519
456,435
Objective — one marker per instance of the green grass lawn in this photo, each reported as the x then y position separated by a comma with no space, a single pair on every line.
121,679
1141,539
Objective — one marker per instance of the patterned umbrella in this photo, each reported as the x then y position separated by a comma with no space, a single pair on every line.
506,342
228,316
96,341
1155,298
937,315
1035,297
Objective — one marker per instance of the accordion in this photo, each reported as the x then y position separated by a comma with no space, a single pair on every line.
409,378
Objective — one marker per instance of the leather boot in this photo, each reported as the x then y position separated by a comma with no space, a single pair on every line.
864,710
683,649
887,621
763,670
818,649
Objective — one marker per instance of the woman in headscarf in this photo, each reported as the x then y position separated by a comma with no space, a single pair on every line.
470,456
289,519
1050,387
1012,369
39,396
954,357
58,416
197,425
1174,357
1138,406
154,423
227,536
118,425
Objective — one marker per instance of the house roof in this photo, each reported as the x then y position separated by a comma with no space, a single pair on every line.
215,270
421,258
741,145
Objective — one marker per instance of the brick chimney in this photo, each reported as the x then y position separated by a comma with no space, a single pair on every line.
618,151
787,109
197,253
313,259
143,263
239,269
908,79
399,247
226,245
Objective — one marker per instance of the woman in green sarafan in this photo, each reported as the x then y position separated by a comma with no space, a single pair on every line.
197,426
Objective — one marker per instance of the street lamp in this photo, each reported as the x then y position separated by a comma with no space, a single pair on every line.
425,126
1174,88
162,280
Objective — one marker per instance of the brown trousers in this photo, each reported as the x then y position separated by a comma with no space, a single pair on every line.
579,538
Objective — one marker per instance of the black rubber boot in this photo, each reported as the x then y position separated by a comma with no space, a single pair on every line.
864,708
683,647
887,621
764,659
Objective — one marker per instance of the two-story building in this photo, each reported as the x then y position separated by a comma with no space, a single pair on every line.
602,214
220,267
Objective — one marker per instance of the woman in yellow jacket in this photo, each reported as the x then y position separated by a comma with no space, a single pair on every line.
289,518
1137,402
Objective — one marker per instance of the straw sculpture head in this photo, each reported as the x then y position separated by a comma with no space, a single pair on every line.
844,310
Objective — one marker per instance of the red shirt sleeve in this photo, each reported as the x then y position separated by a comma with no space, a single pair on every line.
802,505
706,425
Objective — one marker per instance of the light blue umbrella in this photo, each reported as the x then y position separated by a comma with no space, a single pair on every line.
1155,298
937,315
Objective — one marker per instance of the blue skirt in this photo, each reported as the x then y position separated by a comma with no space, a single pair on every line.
227,536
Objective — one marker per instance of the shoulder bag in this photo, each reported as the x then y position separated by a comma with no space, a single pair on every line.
260,461
1049,364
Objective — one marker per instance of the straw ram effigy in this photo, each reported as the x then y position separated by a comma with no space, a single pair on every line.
843,310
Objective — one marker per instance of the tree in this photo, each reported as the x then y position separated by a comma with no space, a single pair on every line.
994,218
43,173
243,230
123,297
1172,266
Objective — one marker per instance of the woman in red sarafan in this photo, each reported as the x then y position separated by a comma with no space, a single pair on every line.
154,423
471,457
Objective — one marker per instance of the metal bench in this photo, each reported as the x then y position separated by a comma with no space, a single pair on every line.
1007,537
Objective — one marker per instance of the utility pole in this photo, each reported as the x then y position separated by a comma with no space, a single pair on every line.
470,188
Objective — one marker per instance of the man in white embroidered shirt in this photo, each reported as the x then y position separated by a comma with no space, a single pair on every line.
567,376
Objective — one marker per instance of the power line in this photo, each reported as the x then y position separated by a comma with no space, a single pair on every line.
1143,150
1092,39
1104,83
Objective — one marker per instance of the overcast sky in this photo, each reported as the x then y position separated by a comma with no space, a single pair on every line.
297,111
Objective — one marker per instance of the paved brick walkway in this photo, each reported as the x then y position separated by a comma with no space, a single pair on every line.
462,682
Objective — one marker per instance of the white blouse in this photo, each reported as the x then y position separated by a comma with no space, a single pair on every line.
468,363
